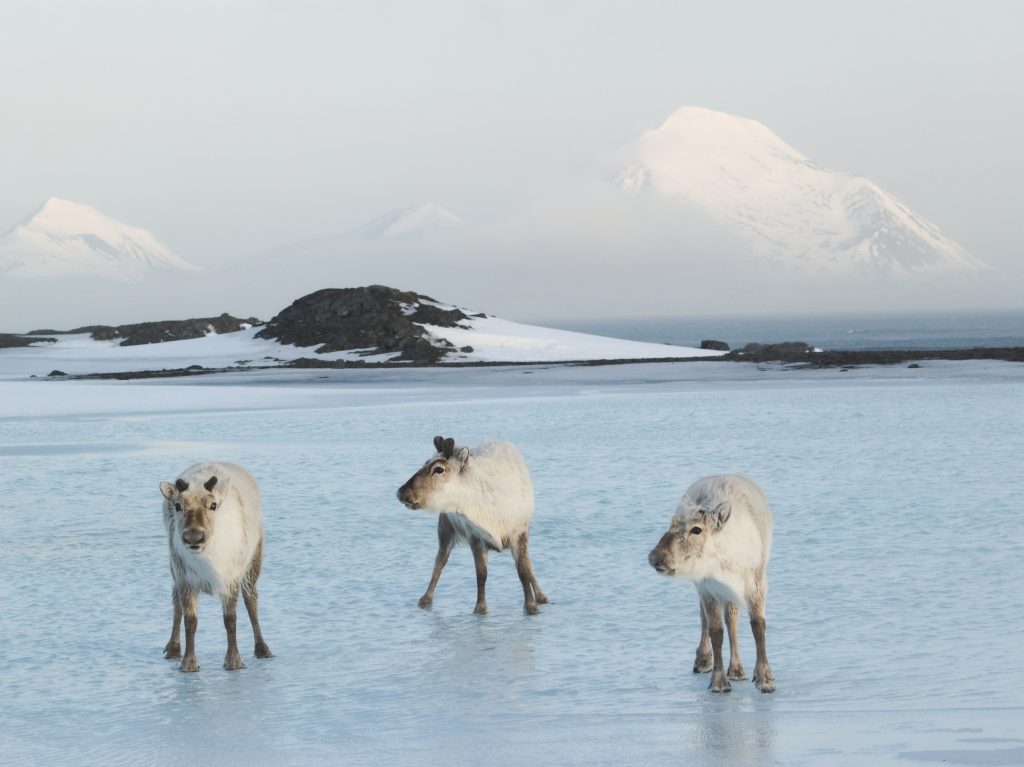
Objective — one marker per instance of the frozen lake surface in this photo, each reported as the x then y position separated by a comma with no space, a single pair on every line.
894,615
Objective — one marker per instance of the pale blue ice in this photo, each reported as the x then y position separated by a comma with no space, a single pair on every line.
894,611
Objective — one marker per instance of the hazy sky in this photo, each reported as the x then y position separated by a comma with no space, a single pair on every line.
228,128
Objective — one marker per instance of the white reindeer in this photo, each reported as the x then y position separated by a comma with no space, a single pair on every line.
215,536
721,538
484,497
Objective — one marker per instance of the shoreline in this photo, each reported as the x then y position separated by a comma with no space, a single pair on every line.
843,360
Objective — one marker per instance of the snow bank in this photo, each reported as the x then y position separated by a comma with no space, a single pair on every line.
496,340
493,340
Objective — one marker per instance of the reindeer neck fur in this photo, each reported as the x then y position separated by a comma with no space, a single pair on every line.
493,494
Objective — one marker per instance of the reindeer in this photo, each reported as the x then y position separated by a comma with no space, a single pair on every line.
721,538
215,537
485,497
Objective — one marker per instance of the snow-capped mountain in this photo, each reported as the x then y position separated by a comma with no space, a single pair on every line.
68,239
419,219
402,227
791,209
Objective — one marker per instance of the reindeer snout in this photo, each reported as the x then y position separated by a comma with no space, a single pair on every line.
657,560
193,537
660,557
405,495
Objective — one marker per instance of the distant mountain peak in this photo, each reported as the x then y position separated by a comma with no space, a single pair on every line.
419,219
64,238
790,208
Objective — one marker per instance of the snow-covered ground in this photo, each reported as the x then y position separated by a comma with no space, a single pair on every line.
498,340
893,615
492,339
77,354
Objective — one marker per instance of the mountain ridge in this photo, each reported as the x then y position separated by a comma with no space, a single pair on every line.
63,238
791,209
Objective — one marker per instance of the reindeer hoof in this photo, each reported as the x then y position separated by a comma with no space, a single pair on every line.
262,650
719,683
702,665
541,598
765,685
480,609
189,664
425,601
737,674
233,662
172,650
764,679
531,609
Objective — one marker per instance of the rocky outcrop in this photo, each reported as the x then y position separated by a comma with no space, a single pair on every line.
374,320
787,351
718,346
12,340
167,330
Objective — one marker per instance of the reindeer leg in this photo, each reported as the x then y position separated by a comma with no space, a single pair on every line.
540,596
173,647
719,681
251,597
735,672
480,560
703,663
764,680
526,576
229,603
445,542
189,609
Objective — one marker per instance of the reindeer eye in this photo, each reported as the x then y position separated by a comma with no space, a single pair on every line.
213,506
438,470
177,507
695,531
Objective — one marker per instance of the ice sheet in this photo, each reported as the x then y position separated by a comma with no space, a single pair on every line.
893,622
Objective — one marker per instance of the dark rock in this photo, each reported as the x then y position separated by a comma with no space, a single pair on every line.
12,341
375,318
55,373
852,358
166,330
466,349
913,365
718,346
429,314
132,375
787,351
311,362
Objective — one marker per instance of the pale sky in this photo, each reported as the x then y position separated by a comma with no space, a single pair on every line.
230,128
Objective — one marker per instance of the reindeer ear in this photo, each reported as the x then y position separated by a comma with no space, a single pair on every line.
167,489
181,484
210,483
439,443
463,456
449,447
718,516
